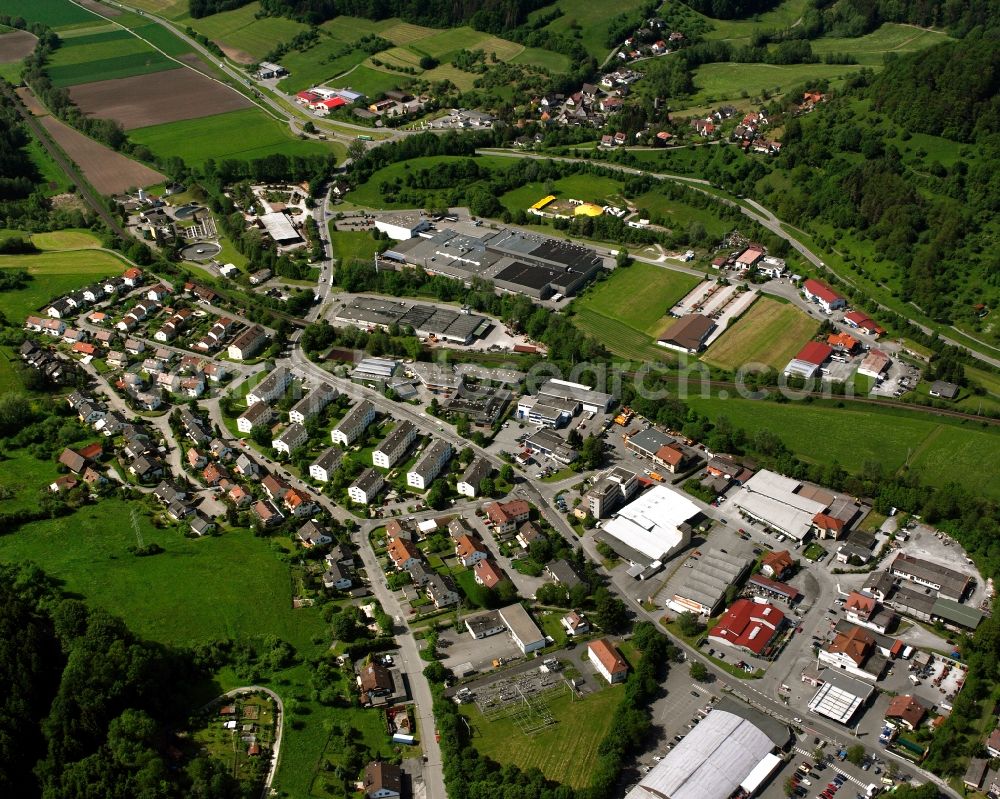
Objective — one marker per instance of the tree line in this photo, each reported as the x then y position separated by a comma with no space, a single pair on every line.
87,705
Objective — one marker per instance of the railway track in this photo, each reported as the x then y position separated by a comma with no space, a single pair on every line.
726,385
87,192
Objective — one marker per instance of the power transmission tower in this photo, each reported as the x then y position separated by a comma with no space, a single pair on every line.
135,527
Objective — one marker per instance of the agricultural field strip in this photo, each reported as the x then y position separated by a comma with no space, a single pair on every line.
263,108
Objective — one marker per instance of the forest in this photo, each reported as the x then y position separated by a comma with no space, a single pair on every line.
952,90
494,16
23,203
87,706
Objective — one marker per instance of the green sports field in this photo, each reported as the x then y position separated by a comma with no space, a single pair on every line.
246,134
54,273
941,451
566,751
770,332
589,188
640,295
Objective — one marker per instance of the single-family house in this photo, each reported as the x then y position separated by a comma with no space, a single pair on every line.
575,623
906,711
487,573
402,553
470,550
382,781
311,534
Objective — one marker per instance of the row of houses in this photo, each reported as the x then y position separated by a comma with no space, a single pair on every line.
77,301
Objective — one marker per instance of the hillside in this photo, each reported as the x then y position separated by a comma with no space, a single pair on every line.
952,90
882,177
486,15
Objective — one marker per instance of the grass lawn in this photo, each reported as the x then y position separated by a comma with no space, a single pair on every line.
715,82
367,195
783,16
317,64
545,59
349,29
618,337
197,591
679,216
814,552
940,452
770,332
988,380
10,379
870,49
592,18
240,29
640,294
52,13
369,81
54,273
351,245
566,751
20,473
52,175
247,134
589,188
473,591
69,239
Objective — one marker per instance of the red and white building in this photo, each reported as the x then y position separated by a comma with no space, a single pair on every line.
748,625
487,573
607,660
809,360
505,516
823,295
864,323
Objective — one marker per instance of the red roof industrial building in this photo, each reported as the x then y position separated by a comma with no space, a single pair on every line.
748,625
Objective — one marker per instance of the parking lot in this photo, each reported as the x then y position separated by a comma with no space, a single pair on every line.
460,648
900,378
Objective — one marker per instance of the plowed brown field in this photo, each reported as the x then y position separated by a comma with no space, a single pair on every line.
144,100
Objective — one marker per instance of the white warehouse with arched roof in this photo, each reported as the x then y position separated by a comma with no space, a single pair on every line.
731,748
